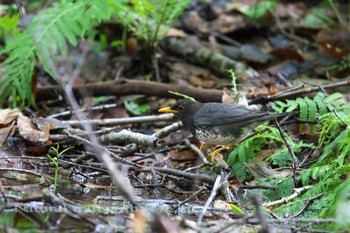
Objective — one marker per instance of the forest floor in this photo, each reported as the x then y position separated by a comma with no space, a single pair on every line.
95,154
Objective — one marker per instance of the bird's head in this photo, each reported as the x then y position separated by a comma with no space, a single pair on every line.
182,108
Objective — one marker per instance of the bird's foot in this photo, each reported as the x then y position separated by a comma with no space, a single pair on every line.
212,156
216,152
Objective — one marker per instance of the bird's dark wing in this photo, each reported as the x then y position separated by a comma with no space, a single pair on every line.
222,114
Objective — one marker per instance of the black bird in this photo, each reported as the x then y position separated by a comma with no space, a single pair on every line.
217,123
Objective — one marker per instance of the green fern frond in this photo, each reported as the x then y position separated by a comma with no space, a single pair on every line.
341,197
16,78
250,148
311,109
8,26
338,149
334,101
285,187
329,174
331,125
303,108
283,158
48,34
322,108
312,112
328,183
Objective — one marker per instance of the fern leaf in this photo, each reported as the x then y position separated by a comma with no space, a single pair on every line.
312,107
335,97
303,108
279,106
292,105
232,156
334,101
17,75
8,26
305,177
68,33
242,153
48,34
322,107
319,97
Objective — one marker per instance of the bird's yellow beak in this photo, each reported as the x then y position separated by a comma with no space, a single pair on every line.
167,110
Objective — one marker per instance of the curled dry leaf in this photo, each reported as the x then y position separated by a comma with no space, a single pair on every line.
30,131
8,115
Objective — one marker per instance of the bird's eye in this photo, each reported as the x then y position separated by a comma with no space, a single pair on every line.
180,107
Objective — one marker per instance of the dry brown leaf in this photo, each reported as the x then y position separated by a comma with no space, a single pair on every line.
334,41
229,23
175,32
4,133
8,115
221,204
50,123
30,131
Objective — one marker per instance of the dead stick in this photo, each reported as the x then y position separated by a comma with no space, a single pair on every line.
290,150
300,91
124,87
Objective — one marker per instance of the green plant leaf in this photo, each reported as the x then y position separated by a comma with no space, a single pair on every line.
261,9
48,34
135,108
236,209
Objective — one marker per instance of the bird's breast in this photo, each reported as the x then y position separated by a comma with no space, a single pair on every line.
213,137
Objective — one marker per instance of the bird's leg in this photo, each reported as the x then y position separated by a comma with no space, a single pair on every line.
203,145
211,155
217,152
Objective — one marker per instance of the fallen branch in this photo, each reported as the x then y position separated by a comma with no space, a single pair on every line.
294,92
121,121
297,192
128,136
125,87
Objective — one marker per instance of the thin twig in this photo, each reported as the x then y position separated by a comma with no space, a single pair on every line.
190,198
117,158
306,205
213,193
188,175
168,130
332,110
299,91
296,193
121,121
265,227
284,80
257,187
197,150
290,150
70,112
